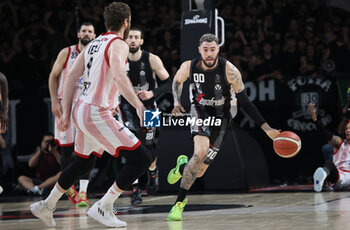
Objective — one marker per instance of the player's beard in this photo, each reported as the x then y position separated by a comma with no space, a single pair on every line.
134,49
84,42
208,65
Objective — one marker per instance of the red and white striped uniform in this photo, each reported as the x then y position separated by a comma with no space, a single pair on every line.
97,129
66,138
341,159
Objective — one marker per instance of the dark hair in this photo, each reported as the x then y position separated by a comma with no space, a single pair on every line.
137,29
86,24
208,38
115,14
48,134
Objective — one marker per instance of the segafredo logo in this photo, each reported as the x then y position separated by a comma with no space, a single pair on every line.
196,20
212,101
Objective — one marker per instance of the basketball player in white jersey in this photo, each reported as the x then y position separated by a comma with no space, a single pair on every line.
103,66
336,172
65,139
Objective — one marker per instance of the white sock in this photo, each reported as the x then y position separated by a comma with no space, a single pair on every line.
152,169
110,196
136,181
53,198
83,184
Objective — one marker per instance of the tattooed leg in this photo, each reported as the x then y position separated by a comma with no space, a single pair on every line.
191,171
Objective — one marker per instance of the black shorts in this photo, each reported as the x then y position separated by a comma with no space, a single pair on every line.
213,130
130,119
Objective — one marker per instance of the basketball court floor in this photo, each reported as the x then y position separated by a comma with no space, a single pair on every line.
256,210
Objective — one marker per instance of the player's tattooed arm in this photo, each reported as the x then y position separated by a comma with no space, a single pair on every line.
234,77
177,91
180,77
191,171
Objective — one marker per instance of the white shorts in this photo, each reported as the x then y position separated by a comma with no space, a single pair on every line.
65,138
98,131
344,181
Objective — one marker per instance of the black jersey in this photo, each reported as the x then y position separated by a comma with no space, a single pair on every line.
142,77
210,90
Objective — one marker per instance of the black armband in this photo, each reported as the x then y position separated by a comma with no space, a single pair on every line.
250,108
164,88
326,135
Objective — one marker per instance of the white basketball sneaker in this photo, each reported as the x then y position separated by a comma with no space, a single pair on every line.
319,177
40,210
105,216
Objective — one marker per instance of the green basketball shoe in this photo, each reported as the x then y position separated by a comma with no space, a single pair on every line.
175,213
174,174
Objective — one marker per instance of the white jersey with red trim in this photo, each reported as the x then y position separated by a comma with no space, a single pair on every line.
99,87
341,157
73,52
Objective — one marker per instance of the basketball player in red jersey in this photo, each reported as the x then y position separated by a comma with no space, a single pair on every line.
103,67
58,76
337,170
213,80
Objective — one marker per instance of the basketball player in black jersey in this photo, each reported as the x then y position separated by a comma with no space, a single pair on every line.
142,69
212,79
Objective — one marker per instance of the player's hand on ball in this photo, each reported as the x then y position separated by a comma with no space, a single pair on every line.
271,132
178,110
63,122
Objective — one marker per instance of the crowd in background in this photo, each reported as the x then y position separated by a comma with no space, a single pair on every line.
264,38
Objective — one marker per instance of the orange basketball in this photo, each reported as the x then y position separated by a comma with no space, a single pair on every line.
287,144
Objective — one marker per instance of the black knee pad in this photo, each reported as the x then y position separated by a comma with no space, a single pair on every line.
137,163
75,170
66,156
331,171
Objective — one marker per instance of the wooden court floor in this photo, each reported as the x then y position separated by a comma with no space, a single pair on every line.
286,210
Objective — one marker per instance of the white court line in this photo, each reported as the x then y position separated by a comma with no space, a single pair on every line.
157,198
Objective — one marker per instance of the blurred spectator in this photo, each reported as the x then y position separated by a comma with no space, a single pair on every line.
268,65
45,160
290,58
248,61
310,65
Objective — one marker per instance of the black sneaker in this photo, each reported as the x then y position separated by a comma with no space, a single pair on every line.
153,182
136,198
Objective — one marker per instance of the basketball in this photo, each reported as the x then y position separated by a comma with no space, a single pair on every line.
287,144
